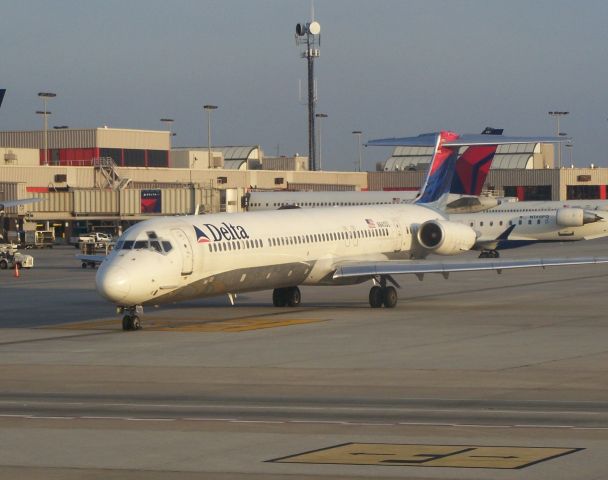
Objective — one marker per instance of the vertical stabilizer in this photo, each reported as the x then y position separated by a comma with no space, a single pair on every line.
472,168
439,177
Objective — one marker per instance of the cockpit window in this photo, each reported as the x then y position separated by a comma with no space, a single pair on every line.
152,235
154,244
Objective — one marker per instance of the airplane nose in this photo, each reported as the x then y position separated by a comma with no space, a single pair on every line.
113,283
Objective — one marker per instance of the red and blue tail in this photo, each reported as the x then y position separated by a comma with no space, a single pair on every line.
439,177
472,168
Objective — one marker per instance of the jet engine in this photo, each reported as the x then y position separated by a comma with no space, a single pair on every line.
575,217
446,238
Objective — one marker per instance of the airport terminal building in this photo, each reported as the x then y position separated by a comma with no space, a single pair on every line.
107,179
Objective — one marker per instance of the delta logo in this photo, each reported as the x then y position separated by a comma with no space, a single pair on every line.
226,231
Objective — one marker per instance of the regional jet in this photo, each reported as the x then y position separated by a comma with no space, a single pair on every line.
171,259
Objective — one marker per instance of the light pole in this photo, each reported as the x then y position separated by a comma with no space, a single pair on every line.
320,116
569,146
557,116
168,122
45,96
358,134
209,108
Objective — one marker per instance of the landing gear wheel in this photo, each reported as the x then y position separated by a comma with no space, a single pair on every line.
294,297
494,254
135,323
389,297
279,297
3,264
375,297
131,322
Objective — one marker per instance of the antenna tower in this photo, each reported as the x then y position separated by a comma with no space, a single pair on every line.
308,37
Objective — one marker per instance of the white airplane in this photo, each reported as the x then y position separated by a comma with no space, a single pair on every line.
171,259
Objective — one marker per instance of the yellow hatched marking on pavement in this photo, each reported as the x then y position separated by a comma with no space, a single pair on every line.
241,325
455,456
232,325
89,325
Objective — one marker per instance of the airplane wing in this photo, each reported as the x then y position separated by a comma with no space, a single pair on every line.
15,203
430,140
420,267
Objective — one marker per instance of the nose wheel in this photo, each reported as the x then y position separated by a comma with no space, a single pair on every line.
131,320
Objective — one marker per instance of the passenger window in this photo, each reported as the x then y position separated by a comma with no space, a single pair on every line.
481,224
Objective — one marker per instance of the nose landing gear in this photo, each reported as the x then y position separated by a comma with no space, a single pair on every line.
131,320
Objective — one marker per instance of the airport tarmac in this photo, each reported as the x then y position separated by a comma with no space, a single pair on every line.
479,376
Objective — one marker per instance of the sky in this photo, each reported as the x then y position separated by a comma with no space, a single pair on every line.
386,68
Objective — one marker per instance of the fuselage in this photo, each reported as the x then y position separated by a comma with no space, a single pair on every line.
177,258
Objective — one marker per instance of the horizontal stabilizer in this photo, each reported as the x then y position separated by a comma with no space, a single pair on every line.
430,139
371,269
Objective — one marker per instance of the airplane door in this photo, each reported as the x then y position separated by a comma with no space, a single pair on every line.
186,250
399,237
346,236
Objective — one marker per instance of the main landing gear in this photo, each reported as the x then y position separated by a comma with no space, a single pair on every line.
131,320
286,297
382,295
489,254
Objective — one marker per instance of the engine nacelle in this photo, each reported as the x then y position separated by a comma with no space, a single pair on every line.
574,217
446,238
